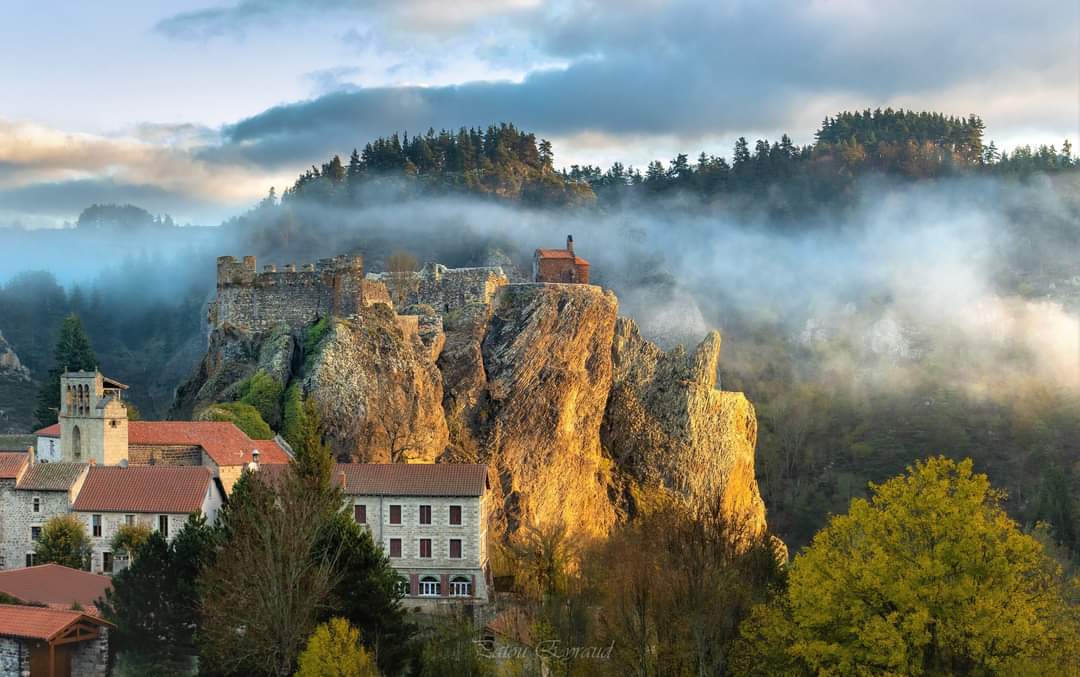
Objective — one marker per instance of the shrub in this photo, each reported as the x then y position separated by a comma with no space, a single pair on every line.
244,416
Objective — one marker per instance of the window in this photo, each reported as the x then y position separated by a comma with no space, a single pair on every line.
163,525
76,442
429,586
401,586
106,562
395,547
425,514
95,522
460,586
395,514
425,547
35,534
129,520
31,559
455,514
37,504
360,513
455,548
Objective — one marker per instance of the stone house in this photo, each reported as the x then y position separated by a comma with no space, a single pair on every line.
560,265
42,642
160,497
29,497
431,520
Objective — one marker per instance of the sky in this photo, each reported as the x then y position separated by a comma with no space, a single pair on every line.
196,109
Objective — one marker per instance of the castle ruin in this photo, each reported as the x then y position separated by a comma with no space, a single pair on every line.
258,301
445,289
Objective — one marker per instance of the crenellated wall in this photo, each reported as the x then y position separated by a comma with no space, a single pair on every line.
258,301
445,289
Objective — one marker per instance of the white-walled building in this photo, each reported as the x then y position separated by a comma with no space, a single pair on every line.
160,497
431,520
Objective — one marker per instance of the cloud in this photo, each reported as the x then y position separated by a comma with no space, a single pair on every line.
694,70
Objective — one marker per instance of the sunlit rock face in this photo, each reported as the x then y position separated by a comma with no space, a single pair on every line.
667,424
568,404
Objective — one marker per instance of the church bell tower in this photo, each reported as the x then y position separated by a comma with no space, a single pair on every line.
93,419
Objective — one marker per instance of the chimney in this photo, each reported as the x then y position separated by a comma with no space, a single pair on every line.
30,455
344,486
570,243
255,457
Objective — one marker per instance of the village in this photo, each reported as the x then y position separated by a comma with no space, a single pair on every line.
112,474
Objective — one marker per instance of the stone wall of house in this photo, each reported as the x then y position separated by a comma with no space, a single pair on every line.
112,521
18,517
472,531
14,658
258,301
445,289
164,454
91,658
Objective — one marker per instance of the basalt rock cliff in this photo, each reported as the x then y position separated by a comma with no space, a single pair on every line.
567,403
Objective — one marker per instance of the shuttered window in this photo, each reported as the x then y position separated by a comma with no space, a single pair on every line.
455,548
360,512
425,547
395,514
455,514
425,514
395,547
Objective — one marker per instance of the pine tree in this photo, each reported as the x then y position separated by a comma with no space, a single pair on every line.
72,353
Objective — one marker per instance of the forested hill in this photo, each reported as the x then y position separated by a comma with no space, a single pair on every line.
505,162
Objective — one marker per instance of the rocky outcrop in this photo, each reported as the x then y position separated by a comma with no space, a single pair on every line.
667,423
547,365
378,390
11,368
567,403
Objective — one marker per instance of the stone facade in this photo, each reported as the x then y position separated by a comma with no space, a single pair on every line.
18,518
446,289
259,301
14,658
112,521
165,454
560,265
472,532
93,419
91,658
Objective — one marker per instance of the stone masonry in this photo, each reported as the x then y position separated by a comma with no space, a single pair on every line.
258,301
447,289
14,658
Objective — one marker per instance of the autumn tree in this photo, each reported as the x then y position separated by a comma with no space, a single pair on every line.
335,650
128,538
64,541
928,576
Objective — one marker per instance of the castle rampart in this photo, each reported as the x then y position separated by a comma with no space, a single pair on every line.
446,289
258,301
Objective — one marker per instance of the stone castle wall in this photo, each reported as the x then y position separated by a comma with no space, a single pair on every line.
258,301
446,289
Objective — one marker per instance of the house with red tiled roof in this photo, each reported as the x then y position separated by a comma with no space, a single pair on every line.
560,265
160,497
431,520
30,495
93,427
55,586
36,640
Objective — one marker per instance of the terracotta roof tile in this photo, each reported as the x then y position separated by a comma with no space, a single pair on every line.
51,476
143,488
413,479
55,585
560,254
223,441
35,622
10,464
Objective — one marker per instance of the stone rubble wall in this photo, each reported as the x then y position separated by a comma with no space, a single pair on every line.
447,289
14,658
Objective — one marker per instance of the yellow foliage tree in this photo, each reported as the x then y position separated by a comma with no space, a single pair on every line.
928,576
334,650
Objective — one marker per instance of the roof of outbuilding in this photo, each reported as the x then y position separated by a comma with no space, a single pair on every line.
35,622
11,462
54,584
144,488
561,254
412,479
223,441
51,476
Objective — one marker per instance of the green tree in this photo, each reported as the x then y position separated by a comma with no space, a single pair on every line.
72,353
64,541
154,601
928,576
334,650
